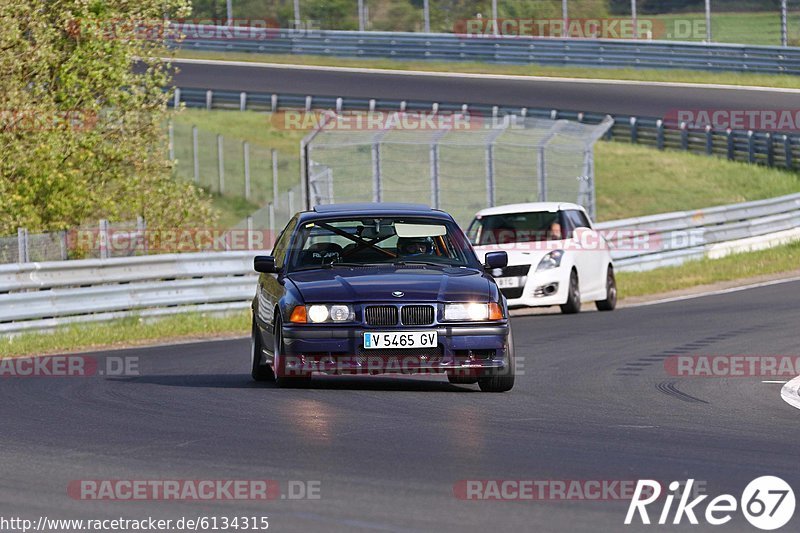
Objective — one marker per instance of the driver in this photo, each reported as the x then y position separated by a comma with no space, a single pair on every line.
413,246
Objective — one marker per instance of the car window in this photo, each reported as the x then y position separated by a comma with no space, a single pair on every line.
374,241
282,244
509,228
578,219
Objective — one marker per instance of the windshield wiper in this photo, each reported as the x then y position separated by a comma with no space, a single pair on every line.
404,262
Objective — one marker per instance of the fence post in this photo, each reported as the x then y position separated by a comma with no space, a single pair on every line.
634,131
22,245
141,227
171,142
684,136
434,161
291,202
63,242
195,155
787,150
542,175
242,101
103,233
376,172
246,151
770,151
249,232
660,134
271,210
709,140
751,147
274,154
490,174
220,164
731,144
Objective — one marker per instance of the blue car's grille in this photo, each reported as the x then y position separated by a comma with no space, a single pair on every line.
417,315
381,315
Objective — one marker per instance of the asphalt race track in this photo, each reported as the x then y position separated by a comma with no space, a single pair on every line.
594,95
595,403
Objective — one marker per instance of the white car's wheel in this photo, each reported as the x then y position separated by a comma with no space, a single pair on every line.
611,293
573,304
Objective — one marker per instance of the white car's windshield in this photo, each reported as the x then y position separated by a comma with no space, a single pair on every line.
515,227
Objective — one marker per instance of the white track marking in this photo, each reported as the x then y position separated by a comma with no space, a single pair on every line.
714,292
791,393
394,72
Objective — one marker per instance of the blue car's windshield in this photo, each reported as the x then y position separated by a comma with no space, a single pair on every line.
377,241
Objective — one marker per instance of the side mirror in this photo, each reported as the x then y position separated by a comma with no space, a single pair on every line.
496,260
265,264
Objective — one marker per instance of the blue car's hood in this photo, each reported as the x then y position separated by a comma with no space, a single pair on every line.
371,284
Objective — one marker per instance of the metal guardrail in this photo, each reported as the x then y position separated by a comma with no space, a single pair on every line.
41,296
514,50
775,150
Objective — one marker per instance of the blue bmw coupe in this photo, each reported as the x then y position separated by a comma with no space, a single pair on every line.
379,288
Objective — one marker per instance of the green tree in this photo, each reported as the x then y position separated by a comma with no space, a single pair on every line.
82,116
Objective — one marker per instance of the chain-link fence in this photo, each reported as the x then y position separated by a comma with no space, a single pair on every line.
229,166
461,170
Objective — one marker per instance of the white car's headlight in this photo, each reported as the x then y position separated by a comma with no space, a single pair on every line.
473,311
319,313
550,260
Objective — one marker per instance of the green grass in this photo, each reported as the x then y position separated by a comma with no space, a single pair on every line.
126,332
759,28
678,76
775,260
639,180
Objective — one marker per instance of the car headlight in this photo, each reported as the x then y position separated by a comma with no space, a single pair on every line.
321,313
473,311
550,260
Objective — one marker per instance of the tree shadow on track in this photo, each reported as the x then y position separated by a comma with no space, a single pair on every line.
243,381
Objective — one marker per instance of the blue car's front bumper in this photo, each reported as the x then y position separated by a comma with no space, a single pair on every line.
465,349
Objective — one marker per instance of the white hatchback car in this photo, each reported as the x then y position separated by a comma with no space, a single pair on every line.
555,256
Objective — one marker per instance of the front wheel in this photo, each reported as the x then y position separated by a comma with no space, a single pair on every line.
259,371
573,304
610,303
281,375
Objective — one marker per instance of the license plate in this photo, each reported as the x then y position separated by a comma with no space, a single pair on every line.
394,339
508,283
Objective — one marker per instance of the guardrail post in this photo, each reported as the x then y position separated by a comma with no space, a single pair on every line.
308,104
246,152
271,210
709,140
209,99
273,103
403,106
103,234
751,146
787,150
634,131
770,150
176,98
274,154
580,116
339,106
221,164
22,245
371,105
731,144
242,101
660,134
523,112
195,155
435,108
684,136
554,114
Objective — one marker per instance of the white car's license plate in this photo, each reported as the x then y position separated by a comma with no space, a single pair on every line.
508,283
399,339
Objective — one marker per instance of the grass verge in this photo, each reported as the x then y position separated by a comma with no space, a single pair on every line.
705,271
674,76
130,331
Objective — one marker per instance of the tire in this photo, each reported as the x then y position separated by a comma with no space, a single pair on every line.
257,370
573,304
278,371
610,303
502,381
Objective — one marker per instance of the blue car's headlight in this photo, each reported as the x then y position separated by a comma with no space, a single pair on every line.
320,313
472,311
550,260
